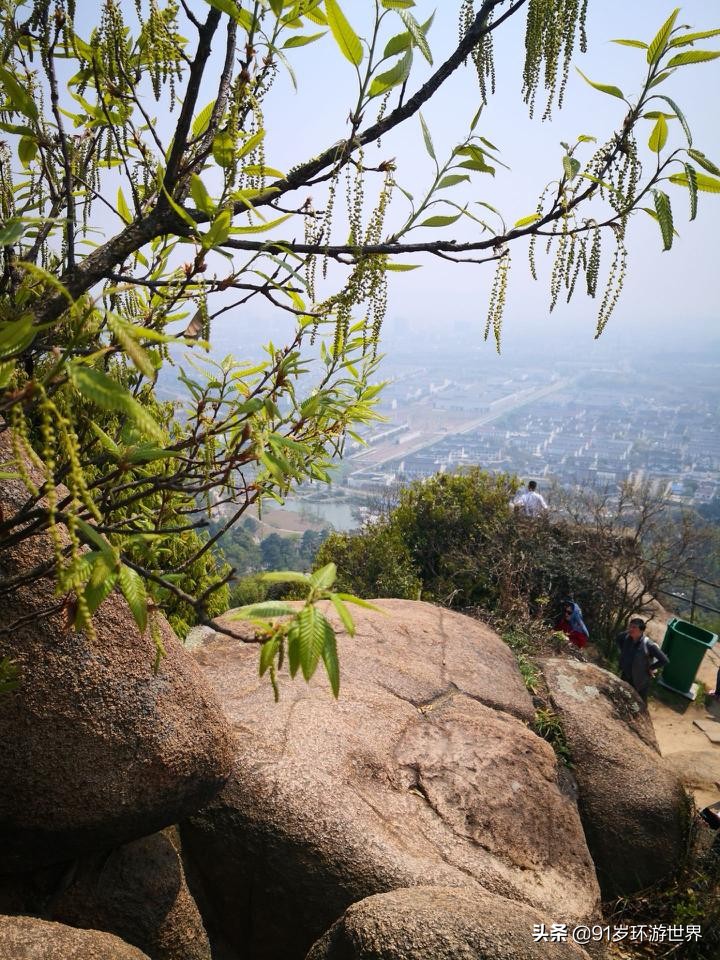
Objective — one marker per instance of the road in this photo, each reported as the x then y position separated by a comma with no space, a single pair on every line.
401,452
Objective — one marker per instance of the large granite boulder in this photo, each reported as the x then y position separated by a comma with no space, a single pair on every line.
633,807
97,748
139,893
439,923
424,772
25,938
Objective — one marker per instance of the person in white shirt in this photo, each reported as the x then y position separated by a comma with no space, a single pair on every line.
530,502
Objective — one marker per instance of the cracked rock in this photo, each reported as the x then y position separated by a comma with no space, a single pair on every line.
633,806
424,772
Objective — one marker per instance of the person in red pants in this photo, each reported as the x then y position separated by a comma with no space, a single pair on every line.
572,624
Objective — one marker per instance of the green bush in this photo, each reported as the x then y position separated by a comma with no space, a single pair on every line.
454,527
456,540
375,563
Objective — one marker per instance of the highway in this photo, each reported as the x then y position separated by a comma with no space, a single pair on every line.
389,453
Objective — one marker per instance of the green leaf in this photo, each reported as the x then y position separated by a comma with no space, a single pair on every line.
122,207
293,638
22,130
659,135
632,43
680,115
127,336
693,56
660,78
11,231
285,576
105,440
325,577
203,200
603,87
440,221
267,654
90,535
223,149
526,221
664,215
657,47
393,77
201,121
478,165
571,166
148,453
226,6
705,184
301,40
177,207
6,373
267,609
314,633
692,188
18,95
417,33
218,232
110,395
452,179
344,614
100,585
250,144
288,66
260,227
359,602
427,138
687,38
133,589
255,170
400,267
397,4
16,335
345,36
397,44
330,659
699,157
27,150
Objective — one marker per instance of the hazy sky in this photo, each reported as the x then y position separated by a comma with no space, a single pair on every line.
676,290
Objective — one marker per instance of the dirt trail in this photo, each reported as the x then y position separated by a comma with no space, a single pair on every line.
686,748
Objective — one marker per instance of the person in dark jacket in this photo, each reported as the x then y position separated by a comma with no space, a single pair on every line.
640,657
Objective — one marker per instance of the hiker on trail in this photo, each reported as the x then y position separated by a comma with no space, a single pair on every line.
572,624
640,657
530,502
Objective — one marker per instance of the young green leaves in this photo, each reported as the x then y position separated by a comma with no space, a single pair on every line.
663,60
305,634
345,37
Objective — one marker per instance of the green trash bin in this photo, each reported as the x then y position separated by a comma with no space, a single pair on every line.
685,644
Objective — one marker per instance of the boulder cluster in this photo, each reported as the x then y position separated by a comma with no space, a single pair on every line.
184,815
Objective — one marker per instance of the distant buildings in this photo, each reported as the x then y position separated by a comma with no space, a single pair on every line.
590,426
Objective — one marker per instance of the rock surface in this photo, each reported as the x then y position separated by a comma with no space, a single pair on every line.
439,923
25,938
97,749
138,892
633,808
422,773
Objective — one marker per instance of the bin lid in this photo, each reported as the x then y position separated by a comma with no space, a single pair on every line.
691,631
